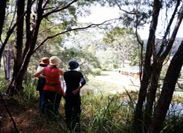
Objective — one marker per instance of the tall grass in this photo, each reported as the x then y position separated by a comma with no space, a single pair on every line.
106,114
101,113
30,90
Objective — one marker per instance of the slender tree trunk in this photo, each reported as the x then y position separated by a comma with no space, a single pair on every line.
151,95
2,14
167,91
28,28
138,116
19,41
2,18
4,63
8,63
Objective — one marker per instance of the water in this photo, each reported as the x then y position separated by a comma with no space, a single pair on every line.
175,109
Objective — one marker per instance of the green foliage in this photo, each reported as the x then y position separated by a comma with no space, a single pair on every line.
96,71
3,84
117,33
106,114
86,60
30,91
123,46
135,57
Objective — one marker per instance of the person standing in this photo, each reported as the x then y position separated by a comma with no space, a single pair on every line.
41,81
52,90
74,82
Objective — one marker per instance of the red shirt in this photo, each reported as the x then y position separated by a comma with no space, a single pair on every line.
53,82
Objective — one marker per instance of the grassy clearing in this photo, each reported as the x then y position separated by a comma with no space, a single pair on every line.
94,86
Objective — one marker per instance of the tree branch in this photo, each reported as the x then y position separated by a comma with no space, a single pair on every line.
176,28
179,85
60,9
141,51
168,29
45,4
74,29
128,12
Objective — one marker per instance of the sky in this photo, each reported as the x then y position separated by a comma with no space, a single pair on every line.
100,14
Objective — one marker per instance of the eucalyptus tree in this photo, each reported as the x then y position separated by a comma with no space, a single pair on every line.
135,14
124,43
87,44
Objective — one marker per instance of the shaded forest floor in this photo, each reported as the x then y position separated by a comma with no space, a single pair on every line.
26,117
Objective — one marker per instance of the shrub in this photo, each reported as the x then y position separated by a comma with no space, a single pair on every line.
3,84
96,71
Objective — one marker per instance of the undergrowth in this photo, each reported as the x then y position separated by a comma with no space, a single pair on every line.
100,113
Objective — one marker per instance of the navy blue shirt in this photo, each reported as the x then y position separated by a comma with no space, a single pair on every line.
73,80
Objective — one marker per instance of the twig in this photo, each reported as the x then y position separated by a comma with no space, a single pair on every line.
128,12
164,41
60,9
179,85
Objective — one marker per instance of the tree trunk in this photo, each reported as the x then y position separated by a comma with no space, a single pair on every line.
167,91
18,79
8,64
157,66
138,116
28,28
19,41
2,14
2,18
151,95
